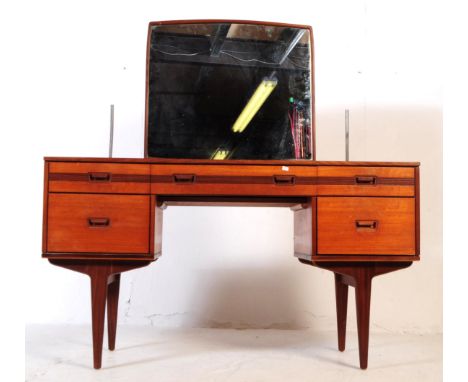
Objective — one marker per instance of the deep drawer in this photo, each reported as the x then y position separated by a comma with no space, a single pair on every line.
98,223
366,226
233,180
365,181
99,177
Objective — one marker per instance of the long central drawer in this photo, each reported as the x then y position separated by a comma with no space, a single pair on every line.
232,180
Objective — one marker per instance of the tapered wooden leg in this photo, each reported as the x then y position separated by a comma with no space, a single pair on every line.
363,298
98,307
358,275
112,307
341,292
105,283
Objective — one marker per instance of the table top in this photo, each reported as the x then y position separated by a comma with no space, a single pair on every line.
291,162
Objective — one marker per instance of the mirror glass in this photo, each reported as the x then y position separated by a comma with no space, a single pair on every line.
229,91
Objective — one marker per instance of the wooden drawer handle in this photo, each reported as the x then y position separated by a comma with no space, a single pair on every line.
98,222
282,180
365,179
184,178
366,224
99,176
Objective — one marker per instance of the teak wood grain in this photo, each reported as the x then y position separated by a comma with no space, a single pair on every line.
417,212
365,181
113,289
351,171
99,177
328,199
113,221
232,201
98,223
233,170
105,285
232,180
286,162
366,226
360,277
45,208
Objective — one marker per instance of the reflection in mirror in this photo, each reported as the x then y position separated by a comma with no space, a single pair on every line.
229,91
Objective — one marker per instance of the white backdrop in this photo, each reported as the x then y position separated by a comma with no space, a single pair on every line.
234,267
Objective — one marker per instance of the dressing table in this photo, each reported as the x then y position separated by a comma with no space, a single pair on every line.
104,216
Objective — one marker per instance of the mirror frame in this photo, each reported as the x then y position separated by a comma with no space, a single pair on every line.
226,21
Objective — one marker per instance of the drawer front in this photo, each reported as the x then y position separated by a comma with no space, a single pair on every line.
99,177
233,180
98,223
366,226
365,181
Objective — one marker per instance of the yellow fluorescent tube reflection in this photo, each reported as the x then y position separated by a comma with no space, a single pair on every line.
220,154
255,103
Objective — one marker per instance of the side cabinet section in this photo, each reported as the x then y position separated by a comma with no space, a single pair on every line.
96,210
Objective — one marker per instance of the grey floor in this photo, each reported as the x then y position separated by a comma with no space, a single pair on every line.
64,353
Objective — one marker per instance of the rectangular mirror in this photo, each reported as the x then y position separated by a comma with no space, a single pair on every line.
229,90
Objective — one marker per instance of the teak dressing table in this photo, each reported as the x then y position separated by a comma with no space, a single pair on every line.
104,216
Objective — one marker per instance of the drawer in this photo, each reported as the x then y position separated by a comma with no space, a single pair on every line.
365,226
365,181
233,180
99,177
98,223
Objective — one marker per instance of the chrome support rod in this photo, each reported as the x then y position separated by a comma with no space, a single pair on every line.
347,134
111,138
